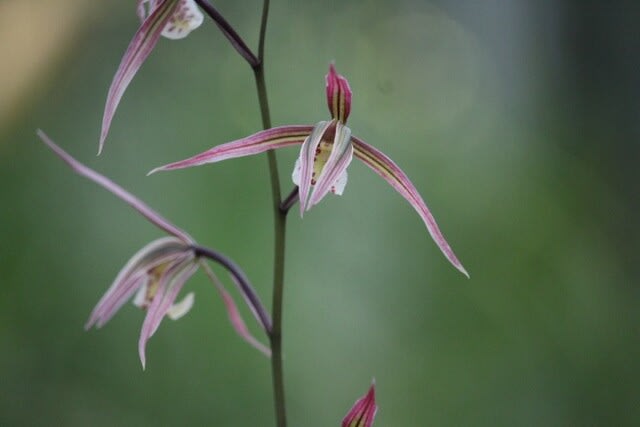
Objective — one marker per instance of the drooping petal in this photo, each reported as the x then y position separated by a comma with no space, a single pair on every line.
139,49
363,411
387,169
257,143
155,218
170,284
234,314
238,323
338,95
336,165
131,276
307,159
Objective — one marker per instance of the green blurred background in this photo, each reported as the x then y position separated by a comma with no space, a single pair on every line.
516,120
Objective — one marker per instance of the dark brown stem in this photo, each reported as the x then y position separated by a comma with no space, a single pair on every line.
228,31
289,201
241,279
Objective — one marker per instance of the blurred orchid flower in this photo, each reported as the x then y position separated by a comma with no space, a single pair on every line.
363,411
158,271
326,152
173,19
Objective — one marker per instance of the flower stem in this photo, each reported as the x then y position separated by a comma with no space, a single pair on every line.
241,279
229,32
280,223
290,200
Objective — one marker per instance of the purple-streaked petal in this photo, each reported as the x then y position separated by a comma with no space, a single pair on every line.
171,282
238,323
338,95
339,159
260,142
128,280
307,157
233,313
139,49
155,218
363,411
387,169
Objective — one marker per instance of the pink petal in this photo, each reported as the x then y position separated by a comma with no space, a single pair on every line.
139,49
387,169
363,411
339,159
307,156
170,285
260,142
238,323
338,95
155,218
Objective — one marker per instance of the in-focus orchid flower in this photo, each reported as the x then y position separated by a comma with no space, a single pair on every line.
173,19
363,411
157,272
327,149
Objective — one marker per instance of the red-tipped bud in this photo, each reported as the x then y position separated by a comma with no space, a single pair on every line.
338,95
363,411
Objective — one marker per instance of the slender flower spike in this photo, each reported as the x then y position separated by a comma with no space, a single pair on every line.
158,271
326,151
363,411
173,19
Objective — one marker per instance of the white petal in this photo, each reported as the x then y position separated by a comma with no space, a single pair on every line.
181,308
339,184
186,19
295,176
140,300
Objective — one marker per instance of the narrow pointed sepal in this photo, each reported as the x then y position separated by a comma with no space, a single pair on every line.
387,169
236,320
155,218
257,143
139,49
363,411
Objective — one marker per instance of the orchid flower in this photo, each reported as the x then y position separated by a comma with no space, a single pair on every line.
363,411
173,19
326,152
158,271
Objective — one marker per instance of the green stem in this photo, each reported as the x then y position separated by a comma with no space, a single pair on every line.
280,223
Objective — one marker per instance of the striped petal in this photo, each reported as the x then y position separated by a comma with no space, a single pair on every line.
307,161
139,49
387,169
238,322
336,166
257,143
155,218
363,411
170,284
